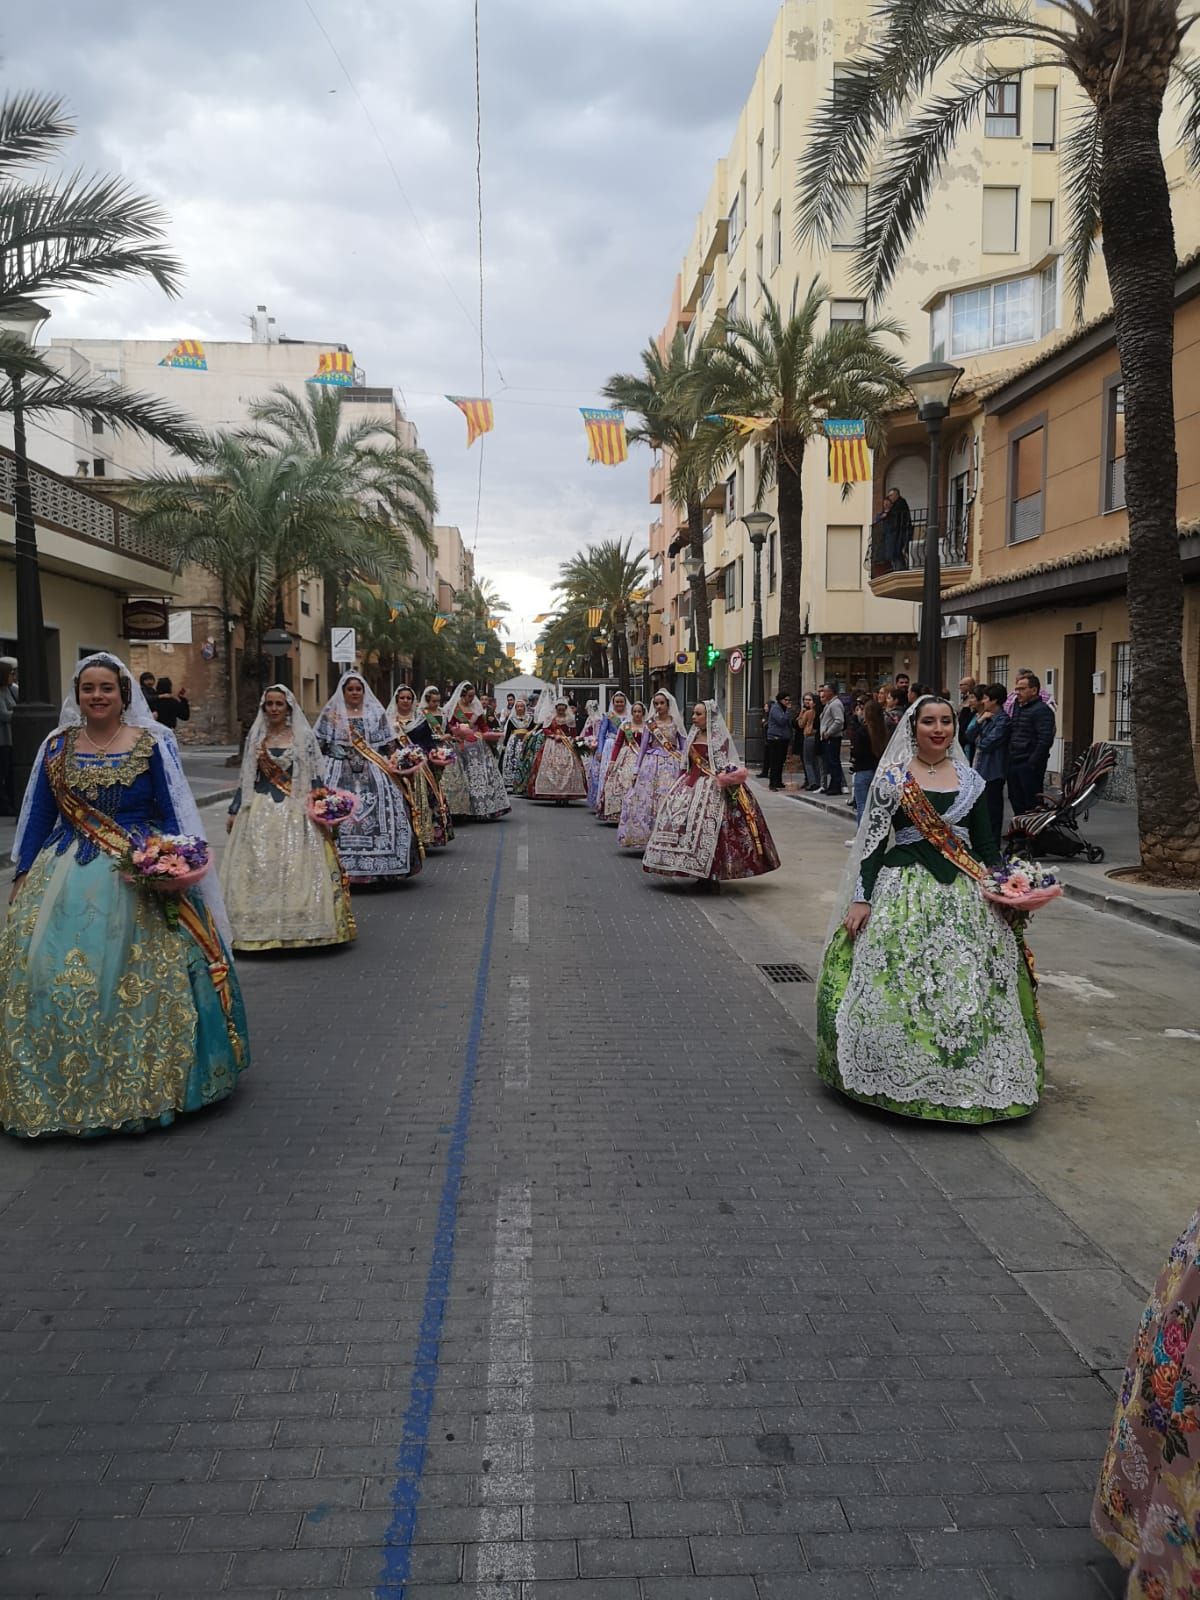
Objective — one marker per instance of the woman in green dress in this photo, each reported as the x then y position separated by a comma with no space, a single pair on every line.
926,1000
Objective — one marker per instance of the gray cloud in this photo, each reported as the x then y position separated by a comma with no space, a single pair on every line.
601,127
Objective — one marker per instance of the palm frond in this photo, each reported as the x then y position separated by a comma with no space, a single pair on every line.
1186,77
144,414
1083,153
32,126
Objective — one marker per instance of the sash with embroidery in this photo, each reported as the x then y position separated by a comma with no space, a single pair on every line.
273,772
672,750
402,780
108,835
940,834
737,795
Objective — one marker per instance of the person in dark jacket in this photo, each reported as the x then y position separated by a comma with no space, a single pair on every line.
779,737
170,708
1029,746
991,751
896,530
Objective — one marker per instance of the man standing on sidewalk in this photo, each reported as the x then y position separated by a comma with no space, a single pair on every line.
833,726
779,737
1029,744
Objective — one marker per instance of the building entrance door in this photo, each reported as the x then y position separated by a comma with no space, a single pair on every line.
1079,703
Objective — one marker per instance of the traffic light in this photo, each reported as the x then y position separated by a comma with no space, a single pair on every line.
712,656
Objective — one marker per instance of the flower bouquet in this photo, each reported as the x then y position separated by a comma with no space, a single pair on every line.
329,808
492,735
169,863
1021,885
408,758
585,747
442,755
729,777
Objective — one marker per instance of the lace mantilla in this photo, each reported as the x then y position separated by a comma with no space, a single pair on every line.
91,775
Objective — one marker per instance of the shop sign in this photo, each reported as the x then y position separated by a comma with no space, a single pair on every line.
144,620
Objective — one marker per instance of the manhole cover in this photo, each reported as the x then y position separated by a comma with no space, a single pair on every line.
784,972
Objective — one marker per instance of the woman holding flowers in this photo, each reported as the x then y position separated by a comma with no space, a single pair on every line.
709,826
926,999
119,1006
467,725
447,769
620,764
659,763
414,742
557,773
379,843
281,876
516,731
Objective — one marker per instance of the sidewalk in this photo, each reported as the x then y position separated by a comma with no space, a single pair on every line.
1113,826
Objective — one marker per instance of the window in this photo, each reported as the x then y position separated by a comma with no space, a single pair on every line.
733,309
760,162
843,558
731,498
845,313
843,71
1045,117
305,607
759,268
730,576
1013,311
110,374
772,562
1049,298
97,425
849,231
1026,474
776,236
741,583
777,125
1000,221
98,467
1041,226
1122,683
1114,448
731,243
998,670
707,289
1002,118
743,202
743,294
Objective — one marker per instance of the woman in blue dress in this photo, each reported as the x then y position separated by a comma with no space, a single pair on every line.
119,1006
379,843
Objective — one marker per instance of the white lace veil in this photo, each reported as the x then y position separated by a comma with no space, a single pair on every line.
673,710
451,705
136,715
619,716
307,762
548,709
398,723
882,801
423,702
519,716
722,752
333,724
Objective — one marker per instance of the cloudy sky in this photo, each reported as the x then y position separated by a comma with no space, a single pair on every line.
601,126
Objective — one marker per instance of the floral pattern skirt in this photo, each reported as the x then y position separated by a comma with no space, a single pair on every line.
617,783
486,796
1147,1505
510,761
658,772
378,842
557,774
282,880
931,1010
108,1017
705,831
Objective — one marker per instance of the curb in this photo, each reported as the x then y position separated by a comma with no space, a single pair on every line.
1114,905
218,797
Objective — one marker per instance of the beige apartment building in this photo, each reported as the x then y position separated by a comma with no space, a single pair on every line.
454,565
981,286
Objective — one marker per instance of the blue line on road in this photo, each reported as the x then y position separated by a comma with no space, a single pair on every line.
414,1438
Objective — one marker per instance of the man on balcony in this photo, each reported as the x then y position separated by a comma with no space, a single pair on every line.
895,526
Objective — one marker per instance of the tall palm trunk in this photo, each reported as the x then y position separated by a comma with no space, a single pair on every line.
621,650
330,598
1139,252
791,566
698,584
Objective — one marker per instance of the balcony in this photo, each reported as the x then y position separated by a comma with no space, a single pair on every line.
903,580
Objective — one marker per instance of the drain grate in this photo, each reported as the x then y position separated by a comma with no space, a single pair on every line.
784,972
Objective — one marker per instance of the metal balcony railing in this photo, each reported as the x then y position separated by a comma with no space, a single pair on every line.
953,545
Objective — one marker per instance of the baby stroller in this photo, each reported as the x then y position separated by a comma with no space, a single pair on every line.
1052,827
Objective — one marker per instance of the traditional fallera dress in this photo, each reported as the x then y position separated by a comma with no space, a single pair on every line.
379,843
621,760
706,828
931,1010
456,798
606,731
1147,1505
659,763
119,1006
531,744
516,732
482,783
281,877
589,736
426,803
557,773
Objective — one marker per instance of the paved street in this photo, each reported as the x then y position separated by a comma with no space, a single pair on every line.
532,1261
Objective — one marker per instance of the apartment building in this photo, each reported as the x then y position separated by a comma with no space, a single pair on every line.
981,286
454,565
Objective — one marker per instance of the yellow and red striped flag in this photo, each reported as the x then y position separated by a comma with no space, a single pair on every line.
186,353
606,436
595,613
334,367
440,621
480,415
748,425
849,461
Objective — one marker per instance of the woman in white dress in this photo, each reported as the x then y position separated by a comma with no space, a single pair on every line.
466,723
557,773
379,844
281,877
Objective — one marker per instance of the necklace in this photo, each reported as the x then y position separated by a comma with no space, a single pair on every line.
931,767
102,749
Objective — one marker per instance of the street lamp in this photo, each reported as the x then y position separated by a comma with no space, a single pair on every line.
932,387
757,525
33,716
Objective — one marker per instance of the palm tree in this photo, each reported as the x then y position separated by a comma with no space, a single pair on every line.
663,396
378,470
60,234
1124,54
786,370
259,521
605,575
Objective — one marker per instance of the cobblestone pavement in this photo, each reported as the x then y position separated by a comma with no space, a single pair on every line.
688,1328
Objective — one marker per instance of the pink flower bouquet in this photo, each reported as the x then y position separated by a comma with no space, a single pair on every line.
730,777
329,808
408,758
169,863
1021,885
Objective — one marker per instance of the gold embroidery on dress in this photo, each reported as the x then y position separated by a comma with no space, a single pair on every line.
90,778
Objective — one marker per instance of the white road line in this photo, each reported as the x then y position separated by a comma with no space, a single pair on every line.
520,922
515,1055
522,858
501,1559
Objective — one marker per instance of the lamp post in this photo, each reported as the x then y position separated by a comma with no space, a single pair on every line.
757,525
932,387
34,716
693,566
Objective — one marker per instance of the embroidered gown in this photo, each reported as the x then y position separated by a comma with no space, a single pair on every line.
524,764
110,1017
705,831
379,842
451,779
620,768
514,746
659,764
280,875
606,731
430,812
931,1010
557,772
477,766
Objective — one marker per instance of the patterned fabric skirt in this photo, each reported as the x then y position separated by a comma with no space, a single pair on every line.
378,842
931,1011
510,762
439,809
454,786
705,831
1147,1505
659,771
282,880
485,787
525,762
557,773
416,793
592,766
617,785
108,1016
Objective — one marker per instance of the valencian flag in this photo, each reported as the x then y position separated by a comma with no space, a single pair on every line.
480,415
334,367
848,461
186,353
510,649
606,436
494,622
595,613
441,621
